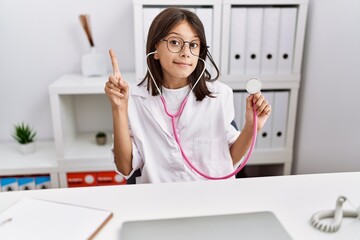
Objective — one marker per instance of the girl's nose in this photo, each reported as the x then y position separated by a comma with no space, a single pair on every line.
185,51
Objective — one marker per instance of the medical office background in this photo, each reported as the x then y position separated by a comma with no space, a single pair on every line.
41,40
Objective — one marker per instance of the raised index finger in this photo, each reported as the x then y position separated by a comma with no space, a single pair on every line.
114,63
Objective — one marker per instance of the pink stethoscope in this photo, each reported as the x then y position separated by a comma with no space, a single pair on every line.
252,86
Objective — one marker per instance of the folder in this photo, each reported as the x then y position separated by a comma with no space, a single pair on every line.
109,178
43,220
238,108
253,40
237,40
264,135
81,179
42,182
244,95
286,39
26,183
191,9
149,13
148,16
269,50
279,112
9,184
206,17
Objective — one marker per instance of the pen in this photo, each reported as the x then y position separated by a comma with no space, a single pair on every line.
5,221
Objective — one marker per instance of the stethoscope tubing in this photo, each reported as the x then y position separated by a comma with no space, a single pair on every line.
173,123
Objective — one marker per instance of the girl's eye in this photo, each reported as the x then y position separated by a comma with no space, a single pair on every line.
194,45
174,42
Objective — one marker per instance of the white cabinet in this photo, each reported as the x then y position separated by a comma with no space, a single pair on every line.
42,162
265,39
249,38
79,110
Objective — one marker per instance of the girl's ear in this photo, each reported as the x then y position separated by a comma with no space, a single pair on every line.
156,55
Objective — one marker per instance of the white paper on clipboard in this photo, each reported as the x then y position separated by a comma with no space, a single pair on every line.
42,219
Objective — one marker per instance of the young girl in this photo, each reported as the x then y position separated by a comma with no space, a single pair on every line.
178,116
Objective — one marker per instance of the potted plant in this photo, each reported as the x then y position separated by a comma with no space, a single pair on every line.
100,138
25,136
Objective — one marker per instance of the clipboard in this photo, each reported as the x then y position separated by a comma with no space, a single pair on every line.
43,219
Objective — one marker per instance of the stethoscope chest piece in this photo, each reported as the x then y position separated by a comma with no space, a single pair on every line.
253,86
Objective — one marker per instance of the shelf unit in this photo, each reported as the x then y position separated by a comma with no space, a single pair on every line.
289,81
221,50
79,110
41,162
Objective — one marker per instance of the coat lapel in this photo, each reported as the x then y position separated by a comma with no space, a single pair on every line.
154,107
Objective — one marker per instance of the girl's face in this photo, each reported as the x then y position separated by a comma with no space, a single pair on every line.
177,67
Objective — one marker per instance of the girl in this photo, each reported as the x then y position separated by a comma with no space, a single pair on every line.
178,113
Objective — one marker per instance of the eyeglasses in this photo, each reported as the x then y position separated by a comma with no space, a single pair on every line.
176,45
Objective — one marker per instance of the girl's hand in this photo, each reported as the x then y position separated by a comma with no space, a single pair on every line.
116,88
262,107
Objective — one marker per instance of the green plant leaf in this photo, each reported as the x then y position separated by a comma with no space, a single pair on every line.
24,133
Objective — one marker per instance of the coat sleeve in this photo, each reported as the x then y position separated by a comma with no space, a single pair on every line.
229,114
136,160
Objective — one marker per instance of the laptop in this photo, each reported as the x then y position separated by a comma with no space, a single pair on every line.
249,226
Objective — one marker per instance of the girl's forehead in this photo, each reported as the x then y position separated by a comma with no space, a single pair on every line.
184,30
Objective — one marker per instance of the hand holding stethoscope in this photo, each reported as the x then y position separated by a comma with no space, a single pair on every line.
256,100
116,88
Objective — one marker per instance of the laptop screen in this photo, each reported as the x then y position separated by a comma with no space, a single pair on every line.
250,226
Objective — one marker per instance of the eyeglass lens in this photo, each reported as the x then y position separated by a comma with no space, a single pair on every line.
176,45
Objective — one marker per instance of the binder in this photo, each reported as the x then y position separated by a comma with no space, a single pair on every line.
253,40
206,17
42,219
279,112
244,95
109,178
82,179
264,135
191,9
42,182
9,184
269,52
238,109
237,40
26,183
148,16
286,39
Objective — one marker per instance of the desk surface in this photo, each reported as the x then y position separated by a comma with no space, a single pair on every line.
293,199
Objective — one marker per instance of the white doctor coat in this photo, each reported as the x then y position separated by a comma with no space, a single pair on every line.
204,130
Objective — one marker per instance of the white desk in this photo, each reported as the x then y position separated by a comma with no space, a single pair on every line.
293,199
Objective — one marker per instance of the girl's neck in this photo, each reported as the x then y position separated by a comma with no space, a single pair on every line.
175,83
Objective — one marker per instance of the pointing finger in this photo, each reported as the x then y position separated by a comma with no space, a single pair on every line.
114,64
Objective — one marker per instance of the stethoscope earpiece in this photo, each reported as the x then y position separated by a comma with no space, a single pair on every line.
253,85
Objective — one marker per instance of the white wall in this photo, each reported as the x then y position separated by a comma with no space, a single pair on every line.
42,39
328,130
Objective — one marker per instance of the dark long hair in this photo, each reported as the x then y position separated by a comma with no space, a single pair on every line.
160,27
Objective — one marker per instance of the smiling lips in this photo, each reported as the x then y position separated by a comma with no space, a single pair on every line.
183,64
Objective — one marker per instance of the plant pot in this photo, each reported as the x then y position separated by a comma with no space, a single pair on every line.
93,64
101,140
27,148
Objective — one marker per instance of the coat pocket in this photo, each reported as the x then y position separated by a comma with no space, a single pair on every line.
211,156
